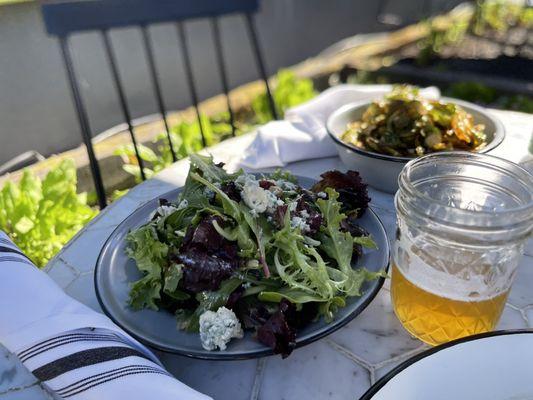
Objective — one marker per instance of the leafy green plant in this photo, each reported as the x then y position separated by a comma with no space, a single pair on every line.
437,39
41,216
186,139
488,16
289,92
500,15
365,77
479,93
472,91
517,102
152,162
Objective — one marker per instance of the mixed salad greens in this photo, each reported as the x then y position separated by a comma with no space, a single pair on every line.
240,251
404,124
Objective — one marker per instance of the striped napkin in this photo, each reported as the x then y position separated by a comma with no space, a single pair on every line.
76,352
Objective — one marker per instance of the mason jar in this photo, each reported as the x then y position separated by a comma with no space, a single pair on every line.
463,219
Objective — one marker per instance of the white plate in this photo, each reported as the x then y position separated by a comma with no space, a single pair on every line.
492,366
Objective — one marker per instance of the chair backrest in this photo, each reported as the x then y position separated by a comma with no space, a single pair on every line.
64,17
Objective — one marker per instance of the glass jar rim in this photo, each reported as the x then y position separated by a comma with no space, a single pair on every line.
515,171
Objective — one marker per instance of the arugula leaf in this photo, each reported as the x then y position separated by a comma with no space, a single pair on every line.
357,278
193,193
179,219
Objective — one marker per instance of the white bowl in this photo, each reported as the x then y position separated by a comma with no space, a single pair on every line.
381,171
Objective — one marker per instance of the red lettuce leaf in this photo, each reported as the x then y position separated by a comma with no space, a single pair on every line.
353,193
278,331
207,257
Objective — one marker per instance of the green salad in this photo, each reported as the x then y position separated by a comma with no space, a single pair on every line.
238,251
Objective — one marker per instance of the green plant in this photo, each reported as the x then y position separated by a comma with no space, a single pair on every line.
517,102
186,139
8,2
437,39
500,15
472,91
152,162
117,194
489,15
289,92
41,216
365,77
483,94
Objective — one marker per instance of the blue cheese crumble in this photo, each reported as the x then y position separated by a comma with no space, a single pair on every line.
258,199
218,328
300,223
292,206
163,211
286,185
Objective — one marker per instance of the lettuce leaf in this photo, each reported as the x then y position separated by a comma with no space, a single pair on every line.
209,170
366,241
172,275
334,242
338,245
145,292
299,265
150,255
353,193
41,216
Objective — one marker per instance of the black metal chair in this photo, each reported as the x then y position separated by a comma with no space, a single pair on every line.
64,17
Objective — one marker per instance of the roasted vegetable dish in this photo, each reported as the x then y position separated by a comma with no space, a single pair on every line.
240,252
404,124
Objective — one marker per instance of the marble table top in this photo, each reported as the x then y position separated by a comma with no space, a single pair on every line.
340,366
